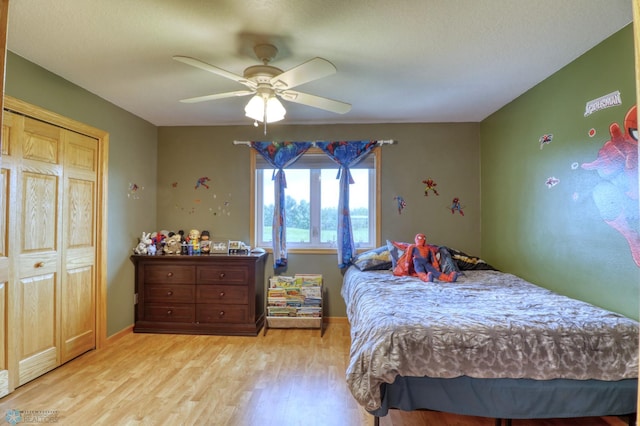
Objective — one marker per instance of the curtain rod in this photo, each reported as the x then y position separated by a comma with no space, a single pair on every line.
384,142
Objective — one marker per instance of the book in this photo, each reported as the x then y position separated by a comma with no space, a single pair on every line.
309,279
282,281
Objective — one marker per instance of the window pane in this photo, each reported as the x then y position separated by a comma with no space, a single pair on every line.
297,208
329,190
358,204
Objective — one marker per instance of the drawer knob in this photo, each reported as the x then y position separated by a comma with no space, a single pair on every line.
220,314
221,276
170,293
170,274
169,312
39,265
222,294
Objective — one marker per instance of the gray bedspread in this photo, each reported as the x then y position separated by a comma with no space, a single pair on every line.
487,325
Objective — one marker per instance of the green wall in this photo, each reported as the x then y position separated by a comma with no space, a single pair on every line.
132,159
448,153
556,237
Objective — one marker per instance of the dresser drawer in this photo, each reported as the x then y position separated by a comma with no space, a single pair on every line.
218,313
167,293
169,312
225,294
223,274
169,274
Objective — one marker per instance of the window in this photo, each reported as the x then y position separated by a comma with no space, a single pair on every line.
311,202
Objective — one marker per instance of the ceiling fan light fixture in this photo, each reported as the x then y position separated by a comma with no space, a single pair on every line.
259,105
275,110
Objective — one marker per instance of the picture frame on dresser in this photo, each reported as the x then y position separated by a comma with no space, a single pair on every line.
219,247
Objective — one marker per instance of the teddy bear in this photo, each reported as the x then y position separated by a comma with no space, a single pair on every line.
172,244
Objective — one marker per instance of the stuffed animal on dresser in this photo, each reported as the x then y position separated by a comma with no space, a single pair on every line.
172,244
143,244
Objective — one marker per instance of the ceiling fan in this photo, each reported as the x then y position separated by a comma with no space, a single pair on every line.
267,83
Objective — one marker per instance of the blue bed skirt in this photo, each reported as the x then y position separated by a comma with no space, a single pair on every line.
511,398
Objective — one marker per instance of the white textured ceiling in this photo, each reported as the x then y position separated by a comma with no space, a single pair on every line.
397,61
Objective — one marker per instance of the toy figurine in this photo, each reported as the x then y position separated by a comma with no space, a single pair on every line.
193,242
205,243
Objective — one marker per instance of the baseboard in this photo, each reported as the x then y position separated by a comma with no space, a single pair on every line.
128,330
336,320
120,334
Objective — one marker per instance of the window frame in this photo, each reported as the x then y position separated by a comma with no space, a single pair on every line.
374,207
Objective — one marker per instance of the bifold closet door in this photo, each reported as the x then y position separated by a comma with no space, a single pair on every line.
78,296
52,222
37,205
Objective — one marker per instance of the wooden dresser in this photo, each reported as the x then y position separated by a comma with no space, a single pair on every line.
214,294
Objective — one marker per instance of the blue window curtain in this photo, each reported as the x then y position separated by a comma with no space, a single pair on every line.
346,154
280,155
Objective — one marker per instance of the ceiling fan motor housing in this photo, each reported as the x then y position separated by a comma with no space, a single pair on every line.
261,73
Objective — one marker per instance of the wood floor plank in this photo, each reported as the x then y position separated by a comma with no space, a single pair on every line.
286,378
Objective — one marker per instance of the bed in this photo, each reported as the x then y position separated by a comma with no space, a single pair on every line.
490,344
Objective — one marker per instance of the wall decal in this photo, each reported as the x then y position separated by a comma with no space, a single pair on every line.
616,195
224,208
431,186
575,165
607,101
592,132
551,181
202,182
456,206
134,191
545,139
401,203
174,184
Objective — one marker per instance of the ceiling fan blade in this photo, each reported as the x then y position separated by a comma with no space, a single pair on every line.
217,96
311,70
215,70
316,101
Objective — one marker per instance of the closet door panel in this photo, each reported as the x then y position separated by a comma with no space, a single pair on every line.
38,349
40,212
78,320
8,239
78,312
41,142
38,222
4,219
4,364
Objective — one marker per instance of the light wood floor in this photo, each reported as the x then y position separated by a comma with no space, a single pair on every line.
288,377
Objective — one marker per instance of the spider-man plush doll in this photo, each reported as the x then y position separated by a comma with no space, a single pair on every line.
420,260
